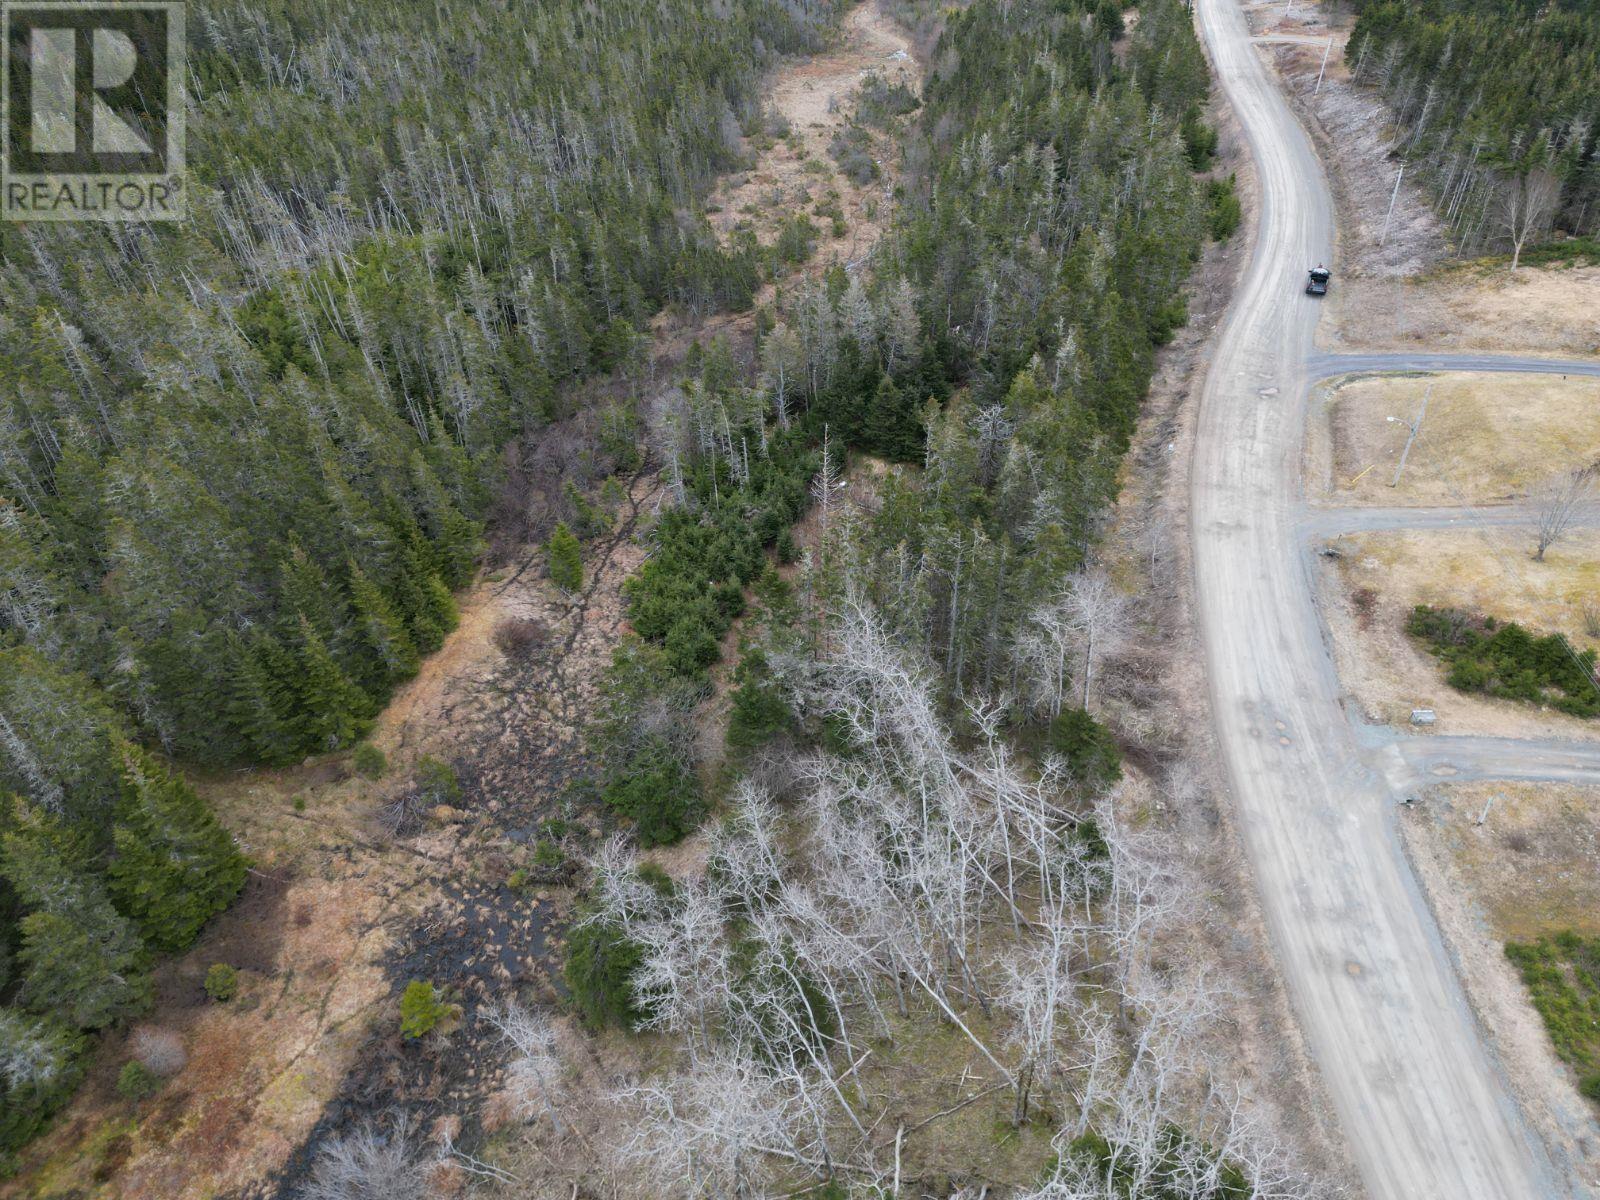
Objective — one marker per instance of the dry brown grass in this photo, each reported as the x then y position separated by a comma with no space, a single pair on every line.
1382,576
1485,438
1534,865
1532,868
1484,570
1480,307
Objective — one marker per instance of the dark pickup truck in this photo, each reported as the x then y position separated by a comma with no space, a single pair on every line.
1318,286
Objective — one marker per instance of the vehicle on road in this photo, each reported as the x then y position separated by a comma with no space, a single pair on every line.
1318,286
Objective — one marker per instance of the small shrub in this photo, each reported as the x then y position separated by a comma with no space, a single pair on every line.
137,1081
656,877
222,982
519,637
1087,746
852,150
421,1009
548,855
1365,601
797,240
1226,213
369,761
759,711
159,1050
1562,975
437,781
881,101
1199,140
1507,661
298,804
659,793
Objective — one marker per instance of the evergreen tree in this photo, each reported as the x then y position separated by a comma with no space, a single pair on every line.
309,597
759,710
891,427
333,711
391,656
40,1064
566,559
260,704
173,866
80,958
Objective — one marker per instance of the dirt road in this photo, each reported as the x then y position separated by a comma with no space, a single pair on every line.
1425,1108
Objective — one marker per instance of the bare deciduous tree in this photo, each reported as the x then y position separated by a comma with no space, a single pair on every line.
534,1070
369,1165
1092,617
709,1131
1559,503
1527,203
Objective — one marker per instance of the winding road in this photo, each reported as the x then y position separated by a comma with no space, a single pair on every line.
1425,1109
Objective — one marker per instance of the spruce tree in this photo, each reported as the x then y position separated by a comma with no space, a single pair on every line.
173,865
308,596
259,703
390,653
81,959
891,427
333,711
40,1064
566,559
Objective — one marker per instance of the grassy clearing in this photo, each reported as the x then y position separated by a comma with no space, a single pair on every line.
1485,437
1562,974
1484,570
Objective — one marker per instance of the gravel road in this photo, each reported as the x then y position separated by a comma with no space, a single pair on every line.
1326,366
1425,1108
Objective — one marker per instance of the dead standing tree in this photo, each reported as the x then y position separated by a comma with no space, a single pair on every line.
1559,503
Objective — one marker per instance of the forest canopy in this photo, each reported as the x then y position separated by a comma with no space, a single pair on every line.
245,461
1487,92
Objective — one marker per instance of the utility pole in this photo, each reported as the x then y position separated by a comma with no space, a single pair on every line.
1385,235
1484,815
1324,68
1414,426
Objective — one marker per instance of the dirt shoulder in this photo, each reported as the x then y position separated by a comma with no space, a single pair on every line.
1533,867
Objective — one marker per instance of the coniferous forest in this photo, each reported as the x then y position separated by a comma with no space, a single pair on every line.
244,461
1489,94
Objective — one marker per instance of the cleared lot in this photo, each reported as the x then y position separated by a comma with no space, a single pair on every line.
1382,576
1484,307
1532,869
1484,438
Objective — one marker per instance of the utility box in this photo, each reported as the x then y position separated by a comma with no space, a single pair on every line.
1423,716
